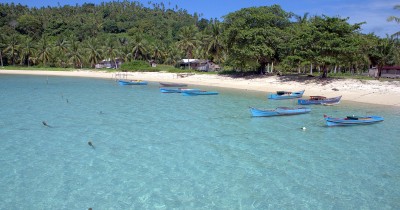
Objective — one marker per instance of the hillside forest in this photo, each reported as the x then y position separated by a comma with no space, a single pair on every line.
249,40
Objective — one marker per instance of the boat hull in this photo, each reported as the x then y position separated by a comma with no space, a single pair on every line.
199,93
123,82
170,84
280,111
292,95
330,121
176,90
323,101
330,104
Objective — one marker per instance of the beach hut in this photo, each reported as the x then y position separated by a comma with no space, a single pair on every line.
387,72
109,64
199,65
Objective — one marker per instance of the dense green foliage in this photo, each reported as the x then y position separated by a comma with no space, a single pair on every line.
135,65
248,40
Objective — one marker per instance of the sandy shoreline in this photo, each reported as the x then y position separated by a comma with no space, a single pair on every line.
374,92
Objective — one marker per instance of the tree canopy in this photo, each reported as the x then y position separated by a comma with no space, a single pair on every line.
245,40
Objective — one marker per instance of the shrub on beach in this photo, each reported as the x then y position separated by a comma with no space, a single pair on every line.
137,66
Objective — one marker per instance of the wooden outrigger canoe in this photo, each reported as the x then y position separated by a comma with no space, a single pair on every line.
199,93
171,84
132,82
319,100
286,95
279,111
352,120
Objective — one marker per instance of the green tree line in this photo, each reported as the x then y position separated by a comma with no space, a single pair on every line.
248,40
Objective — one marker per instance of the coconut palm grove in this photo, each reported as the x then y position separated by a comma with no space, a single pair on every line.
248,40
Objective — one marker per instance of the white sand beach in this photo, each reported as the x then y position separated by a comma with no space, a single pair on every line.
372,91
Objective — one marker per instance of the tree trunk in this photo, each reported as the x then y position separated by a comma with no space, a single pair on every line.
379,71
1,58
324,72
262,67
272,67
136,54
311,69
299,68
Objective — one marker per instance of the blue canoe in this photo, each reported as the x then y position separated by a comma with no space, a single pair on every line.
199,93
255,112
177,90
286,95
171,84
352,120
132,82
319,100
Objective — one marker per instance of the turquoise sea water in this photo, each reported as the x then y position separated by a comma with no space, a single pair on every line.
167,151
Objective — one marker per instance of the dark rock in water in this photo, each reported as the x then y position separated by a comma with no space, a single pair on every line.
45,124
91,144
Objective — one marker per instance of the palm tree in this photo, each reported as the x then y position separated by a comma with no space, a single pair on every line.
139,47
60,51
28,48
123,41
34,58
12,48
62,45
302,20
215,44
396,19
158,52
172,56
2,46
188,40
74,53
110,50
43,51
124,48
201,50
93,52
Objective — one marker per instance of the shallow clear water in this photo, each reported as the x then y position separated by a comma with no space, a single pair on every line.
167,151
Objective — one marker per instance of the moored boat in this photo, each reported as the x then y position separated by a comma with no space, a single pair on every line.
330,103
352,120
177,90
286,95
132,82
319,100
199,93
279,111
171,84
